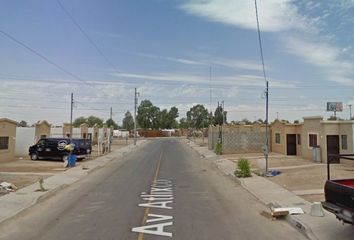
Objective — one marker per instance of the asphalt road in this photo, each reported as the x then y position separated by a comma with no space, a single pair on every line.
164,190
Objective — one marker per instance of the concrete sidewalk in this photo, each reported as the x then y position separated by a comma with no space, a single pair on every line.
16,202
327,227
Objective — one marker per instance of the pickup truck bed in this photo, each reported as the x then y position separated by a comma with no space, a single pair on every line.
339,196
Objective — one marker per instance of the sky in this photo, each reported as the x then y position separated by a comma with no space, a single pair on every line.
176,53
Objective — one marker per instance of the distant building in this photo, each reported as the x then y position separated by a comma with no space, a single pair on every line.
7,139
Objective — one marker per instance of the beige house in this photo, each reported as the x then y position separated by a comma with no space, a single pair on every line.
285,138
333,137
7,139
84,130
42,129
66,129
95,134
313,138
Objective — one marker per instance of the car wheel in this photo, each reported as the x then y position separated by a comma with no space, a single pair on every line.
34,156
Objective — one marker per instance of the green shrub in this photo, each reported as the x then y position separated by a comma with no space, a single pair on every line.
243,168
218,149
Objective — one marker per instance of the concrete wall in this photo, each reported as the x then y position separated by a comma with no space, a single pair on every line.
25,137
239,138
8,129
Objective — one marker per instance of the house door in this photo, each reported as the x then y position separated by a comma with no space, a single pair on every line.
332,148
291,144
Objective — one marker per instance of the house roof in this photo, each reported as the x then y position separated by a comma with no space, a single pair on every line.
43,122
8,120
313,118
284,122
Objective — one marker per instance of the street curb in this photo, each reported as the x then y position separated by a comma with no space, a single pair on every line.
292,220
51,192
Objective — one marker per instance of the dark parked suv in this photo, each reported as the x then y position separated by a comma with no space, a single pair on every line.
54,148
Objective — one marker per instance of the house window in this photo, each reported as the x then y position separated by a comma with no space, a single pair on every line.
344,142
313,140
277,138
298,137
4,143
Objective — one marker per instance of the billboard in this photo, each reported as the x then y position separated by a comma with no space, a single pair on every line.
334,106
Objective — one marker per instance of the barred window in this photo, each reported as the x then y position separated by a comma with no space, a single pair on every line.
277,138
312,140
4,143
344,141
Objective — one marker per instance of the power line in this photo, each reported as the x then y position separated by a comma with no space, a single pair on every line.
42,57
87,36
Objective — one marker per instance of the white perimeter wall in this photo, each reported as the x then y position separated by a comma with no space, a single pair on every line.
56,132
25,137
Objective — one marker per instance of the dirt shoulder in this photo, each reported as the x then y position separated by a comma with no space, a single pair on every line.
303,177
23,172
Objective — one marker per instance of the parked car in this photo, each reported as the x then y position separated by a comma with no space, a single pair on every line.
54,148
339,195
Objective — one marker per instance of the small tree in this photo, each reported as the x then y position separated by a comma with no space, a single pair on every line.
110,122
78,121
243,168
92,120
22,123
219,116
183,123
128,121
197,117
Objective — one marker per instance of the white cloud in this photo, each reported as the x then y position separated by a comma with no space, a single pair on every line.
323,55
233,80
306,37
210,61
240,64
178,60
275,15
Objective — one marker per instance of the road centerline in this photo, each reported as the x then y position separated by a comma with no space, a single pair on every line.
147,210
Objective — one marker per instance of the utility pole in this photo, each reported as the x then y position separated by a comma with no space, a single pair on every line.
350,111
223,113
266,150
110,131
267,127
71,116
135,106
210,93
223,120
71,129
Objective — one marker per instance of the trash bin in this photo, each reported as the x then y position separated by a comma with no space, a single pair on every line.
72,160
316,154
